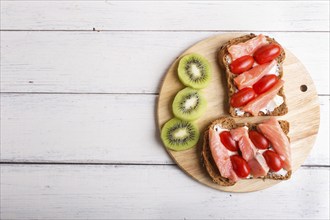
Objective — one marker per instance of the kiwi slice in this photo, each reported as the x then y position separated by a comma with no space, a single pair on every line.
194,71
189,104
179,135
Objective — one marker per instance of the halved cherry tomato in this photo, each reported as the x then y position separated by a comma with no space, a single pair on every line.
240,166
259,140
242,97
265,83
267,53
241,64
273,160
228,141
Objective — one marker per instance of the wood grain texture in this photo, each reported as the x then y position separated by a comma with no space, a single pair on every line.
185,15
121,62
121,128
147,192
80,128
93,128
303,130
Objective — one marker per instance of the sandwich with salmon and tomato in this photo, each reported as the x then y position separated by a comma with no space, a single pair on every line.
233,152
254,70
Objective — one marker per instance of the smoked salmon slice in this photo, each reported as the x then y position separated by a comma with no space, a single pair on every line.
262,100
248,47
255,160
247,148
250,77
274,133
221,156
258,166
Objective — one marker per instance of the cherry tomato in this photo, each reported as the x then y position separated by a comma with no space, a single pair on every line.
228,141
267,53
265,83
259,140
242,97
240,166
241,64
273,160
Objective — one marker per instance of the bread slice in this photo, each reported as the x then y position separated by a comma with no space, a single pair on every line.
223,55
208,161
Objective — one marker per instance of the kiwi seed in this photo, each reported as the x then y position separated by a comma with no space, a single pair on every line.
194,71
179,135
189,104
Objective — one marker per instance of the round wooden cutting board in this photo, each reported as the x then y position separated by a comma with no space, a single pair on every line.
303,116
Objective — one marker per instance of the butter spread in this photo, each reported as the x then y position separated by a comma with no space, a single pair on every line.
274,103
282,172
275,70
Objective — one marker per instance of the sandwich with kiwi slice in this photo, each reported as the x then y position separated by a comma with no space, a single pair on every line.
232,151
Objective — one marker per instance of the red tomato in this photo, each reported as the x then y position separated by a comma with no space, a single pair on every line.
242,97
265,83
258,140
241,64
228,141
240,166
267,53
273,160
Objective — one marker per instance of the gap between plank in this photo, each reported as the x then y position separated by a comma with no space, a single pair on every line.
84,163
115,164
81,93
165,0
94,93
118,30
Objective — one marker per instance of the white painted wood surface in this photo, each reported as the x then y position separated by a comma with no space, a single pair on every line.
78,97
166,15
122,62
98,128
147,192
81,128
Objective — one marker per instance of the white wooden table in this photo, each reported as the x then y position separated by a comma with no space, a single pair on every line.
79,86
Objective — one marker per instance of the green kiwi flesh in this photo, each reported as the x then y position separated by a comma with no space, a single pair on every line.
179,135
189,104
194,71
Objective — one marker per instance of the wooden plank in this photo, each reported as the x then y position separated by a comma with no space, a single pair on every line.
151,192
321,139
97,129
122,62
166,15
80,128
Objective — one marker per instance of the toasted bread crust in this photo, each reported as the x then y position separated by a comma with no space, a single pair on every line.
208,161
222,54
